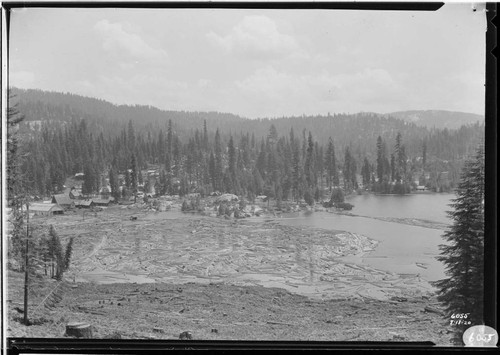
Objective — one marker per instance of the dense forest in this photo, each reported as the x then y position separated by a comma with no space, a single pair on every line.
285,158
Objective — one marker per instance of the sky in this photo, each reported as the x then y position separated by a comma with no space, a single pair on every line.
256,63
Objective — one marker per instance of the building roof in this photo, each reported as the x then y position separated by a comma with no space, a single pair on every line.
83,202
75,193
101,200
62,199
45,207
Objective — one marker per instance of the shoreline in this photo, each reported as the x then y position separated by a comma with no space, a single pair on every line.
262,246
287,282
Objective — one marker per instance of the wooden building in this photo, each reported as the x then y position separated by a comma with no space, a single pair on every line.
75,194
101,202
45,209
84,203
63,201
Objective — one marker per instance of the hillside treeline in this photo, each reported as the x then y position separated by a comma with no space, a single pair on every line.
288,158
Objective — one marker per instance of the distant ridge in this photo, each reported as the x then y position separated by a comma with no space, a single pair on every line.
64,106
101,108
437,118
358,131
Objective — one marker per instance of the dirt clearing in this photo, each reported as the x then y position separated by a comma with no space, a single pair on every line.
248,279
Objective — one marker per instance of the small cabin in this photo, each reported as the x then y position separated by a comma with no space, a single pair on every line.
75,194
84,204
101,202
45,209
63,201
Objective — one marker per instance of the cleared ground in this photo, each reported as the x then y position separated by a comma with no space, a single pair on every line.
209,273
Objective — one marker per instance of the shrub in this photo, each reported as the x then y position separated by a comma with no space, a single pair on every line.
317,194
202,191
344,206
308,197
337,196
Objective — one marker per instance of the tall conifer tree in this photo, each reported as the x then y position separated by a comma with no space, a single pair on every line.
463,254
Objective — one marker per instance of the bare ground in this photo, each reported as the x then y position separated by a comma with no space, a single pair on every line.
165,273
228,312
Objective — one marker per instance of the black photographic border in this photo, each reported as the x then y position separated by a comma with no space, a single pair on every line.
102,346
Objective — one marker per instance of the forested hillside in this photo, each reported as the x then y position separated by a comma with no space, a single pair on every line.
438,118
288,157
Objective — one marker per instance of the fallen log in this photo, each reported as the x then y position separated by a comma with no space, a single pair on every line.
399,299
433,310
280,323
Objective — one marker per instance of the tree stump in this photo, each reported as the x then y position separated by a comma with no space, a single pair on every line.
79,330
186,336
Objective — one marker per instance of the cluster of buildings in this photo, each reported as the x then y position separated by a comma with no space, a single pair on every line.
69,201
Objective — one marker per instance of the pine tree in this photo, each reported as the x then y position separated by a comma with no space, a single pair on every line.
366,173
297,174
463,255
211,171
261,163
113,183
67,254
309,164
218,167
349,170
394,174
14,185
55,253
134,173
396,159
424,154
380,159
272,136
400,160
131,136
89,179
170,133
231,151
127,179
14,180
205,135
330,162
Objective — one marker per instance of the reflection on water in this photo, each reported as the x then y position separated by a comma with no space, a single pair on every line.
422,206
402,249
282,253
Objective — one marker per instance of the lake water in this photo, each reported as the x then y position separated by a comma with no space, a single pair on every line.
422,206
402,248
